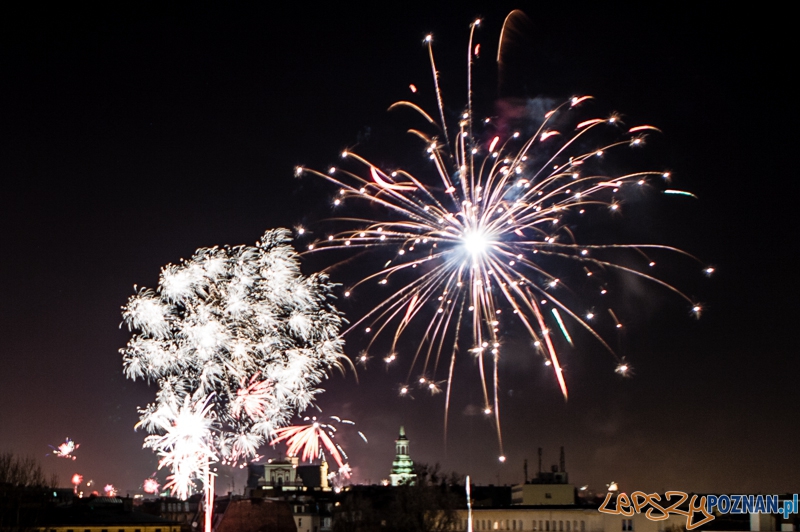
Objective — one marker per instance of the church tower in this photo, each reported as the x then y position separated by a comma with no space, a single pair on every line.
402,467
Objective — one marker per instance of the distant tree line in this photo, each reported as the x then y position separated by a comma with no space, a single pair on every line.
25,492
428,505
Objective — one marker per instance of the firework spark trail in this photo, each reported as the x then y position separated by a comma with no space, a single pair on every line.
77,480
309,441
479,237
237,341
185,443
252,397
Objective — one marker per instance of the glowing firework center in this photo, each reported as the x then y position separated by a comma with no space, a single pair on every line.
475,243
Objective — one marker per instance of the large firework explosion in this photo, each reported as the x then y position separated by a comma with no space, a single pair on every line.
237,341
490,234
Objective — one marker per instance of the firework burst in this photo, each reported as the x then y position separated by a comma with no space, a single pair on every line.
151,485
66,449
237,341
310,441
77,480
490,235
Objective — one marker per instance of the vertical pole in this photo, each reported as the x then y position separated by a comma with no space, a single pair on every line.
469,507
540,463
209,485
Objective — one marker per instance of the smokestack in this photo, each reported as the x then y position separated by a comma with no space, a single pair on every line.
562,459
525,470
540,461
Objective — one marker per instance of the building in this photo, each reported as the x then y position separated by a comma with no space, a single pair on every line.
402,467
549,503
173,509
562,518
305,488
257,515
285,475
550,488
104,514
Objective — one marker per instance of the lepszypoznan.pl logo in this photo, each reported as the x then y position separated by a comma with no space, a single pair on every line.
701,508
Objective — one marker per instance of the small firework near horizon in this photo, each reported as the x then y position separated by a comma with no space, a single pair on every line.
150,485
66,449
310,441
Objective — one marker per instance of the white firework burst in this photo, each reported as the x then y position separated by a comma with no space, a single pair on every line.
237,341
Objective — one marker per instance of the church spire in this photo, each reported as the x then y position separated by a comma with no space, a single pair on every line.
402,467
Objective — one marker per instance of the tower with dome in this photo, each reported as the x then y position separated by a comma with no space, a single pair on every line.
402,466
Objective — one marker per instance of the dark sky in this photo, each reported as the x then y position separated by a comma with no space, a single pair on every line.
130,136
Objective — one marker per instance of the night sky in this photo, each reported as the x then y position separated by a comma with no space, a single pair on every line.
130,136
